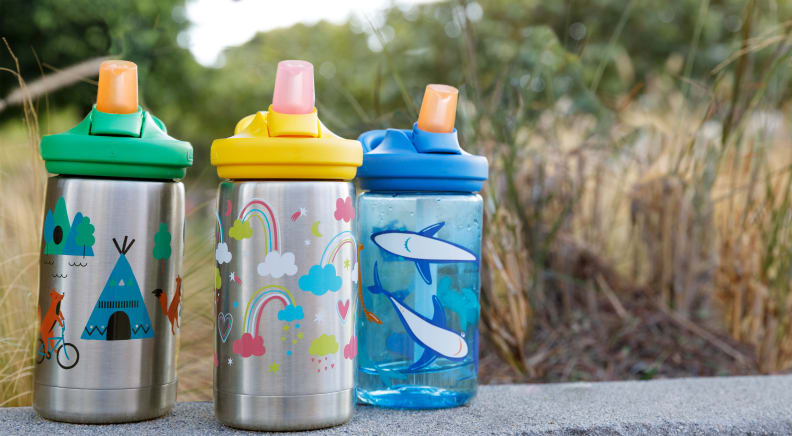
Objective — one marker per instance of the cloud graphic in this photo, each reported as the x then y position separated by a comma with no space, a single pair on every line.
222,255
320,279
247,345
240,230
277,264
345,210
323,345
291,313
350,349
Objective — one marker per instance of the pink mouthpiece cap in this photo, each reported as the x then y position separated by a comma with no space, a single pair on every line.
294,88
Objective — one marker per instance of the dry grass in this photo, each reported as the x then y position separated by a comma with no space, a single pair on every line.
195,360
673,223
19,232
20,216
607,264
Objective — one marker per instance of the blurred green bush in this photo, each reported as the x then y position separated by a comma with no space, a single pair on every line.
592,51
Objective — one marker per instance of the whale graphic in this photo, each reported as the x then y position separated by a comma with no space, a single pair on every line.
423,248
432,334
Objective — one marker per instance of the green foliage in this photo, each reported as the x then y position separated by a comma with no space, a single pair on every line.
655,31
162,240
529,55
53,34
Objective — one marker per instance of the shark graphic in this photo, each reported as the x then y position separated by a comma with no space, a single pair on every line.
423,248
432,334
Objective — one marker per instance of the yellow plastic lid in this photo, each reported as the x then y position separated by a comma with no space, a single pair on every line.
287,144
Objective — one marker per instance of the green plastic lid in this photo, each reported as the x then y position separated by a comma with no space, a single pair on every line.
123,145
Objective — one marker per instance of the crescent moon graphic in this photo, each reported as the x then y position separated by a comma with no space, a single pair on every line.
315,229
228,208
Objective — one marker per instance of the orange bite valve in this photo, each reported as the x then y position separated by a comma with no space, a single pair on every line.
438,109
117,92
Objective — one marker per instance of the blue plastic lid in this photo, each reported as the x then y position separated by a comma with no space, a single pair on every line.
417,160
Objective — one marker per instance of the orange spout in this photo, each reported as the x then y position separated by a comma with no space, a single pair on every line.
438,109
118,93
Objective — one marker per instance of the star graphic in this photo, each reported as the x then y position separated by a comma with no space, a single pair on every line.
230,361
319,317
303,211
274,368
307,242
346,264
231,276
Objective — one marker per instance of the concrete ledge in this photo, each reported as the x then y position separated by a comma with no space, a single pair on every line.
729,405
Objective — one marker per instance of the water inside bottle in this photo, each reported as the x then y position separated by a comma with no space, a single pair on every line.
406,290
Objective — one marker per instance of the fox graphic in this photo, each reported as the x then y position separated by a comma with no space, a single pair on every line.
53,315
172,311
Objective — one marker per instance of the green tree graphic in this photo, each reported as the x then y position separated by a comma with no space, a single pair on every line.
162,240
85,234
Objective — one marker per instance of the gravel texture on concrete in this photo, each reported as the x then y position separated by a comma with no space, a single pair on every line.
728,405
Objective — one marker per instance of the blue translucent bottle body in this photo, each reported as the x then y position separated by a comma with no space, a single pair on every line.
419,309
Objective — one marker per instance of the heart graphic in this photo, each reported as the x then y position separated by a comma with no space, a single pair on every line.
343,309
224,323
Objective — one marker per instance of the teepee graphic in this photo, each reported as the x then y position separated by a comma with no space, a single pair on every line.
120,312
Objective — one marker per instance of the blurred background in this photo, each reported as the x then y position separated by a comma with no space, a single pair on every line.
637,216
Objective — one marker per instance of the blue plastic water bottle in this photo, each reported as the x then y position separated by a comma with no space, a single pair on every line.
419,227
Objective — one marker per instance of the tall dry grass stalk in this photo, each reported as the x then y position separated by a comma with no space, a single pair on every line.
195,359
20,220
754,219
755,273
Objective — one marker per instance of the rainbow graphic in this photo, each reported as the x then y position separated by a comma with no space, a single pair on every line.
259,209
259,301
220,225
334,247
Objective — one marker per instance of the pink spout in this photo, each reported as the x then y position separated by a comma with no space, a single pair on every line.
294,88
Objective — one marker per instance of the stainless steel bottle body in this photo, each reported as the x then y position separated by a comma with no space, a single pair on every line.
286,283
109,299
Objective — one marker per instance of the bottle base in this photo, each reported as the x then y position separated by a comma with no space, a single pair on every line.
103,406
414,397
284,413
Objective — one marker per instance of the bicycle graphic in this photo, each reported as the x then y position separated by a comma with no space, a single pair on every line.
67,354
